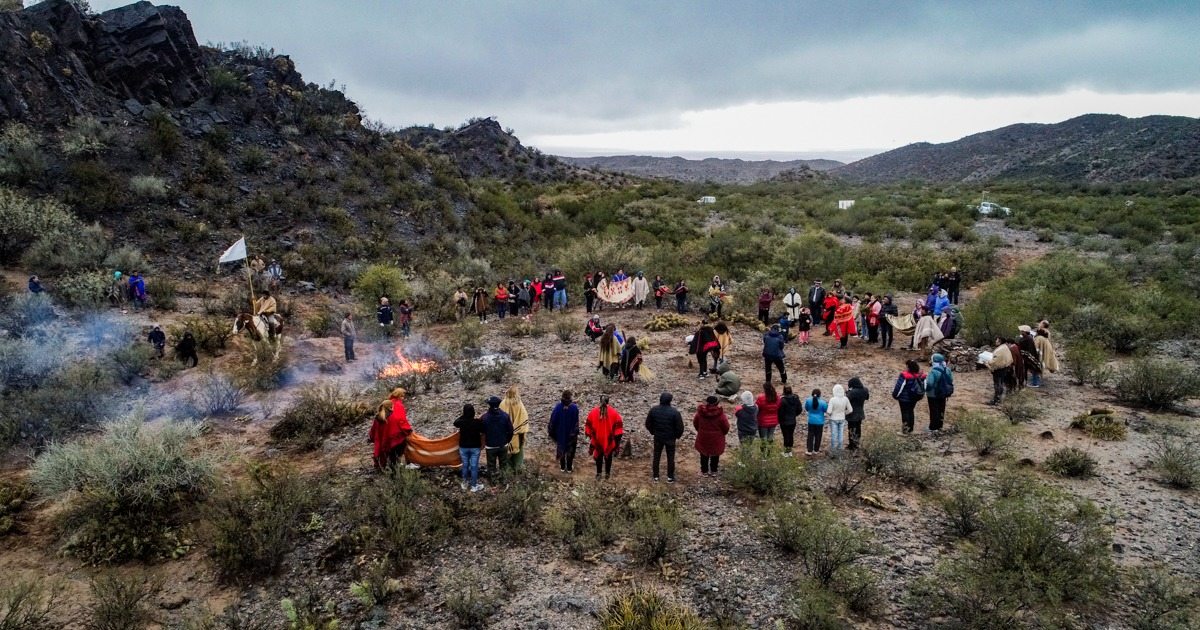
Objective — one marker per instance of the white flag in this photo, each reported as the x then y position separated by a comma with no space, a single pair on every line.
236,252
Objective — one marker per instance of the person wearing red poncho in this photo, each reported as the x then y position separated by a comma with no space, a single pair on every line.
390,430
604,429
829,307
842,325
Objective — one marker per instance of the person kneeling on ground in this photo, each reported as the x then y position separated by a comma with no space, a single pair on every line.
666,425
728,382
593,329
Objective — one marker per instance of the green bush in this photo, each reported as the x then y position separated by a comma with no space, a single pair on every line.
1156,383
254,159
823,546
86,136
811,606
21,157
1111,328
84,291
253,524
319,410
130,362
121,602
28,604
1088,362
217,394
1069,461
148,187
225,83
379,281
469,600
72,251
261,366
13,496
163,293
164,140
1037,558
761,468
985,433
321,324
95,187
656,530
517,508
961,508
211,333
73,398
1102,426
122,487
396,517
1164,601
465,336
127,259
24,220
1021,406
1177,462
890,456
590,519
646,609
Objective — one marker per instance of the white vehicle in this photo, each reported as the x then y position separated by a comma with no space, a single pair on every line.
988,208
707,199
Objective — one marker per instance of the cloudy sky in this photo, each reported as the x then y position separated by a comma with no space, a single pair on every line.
783,78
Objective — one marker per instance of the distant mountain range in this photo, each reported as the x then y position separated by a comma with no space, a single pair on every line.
721,171
1090,148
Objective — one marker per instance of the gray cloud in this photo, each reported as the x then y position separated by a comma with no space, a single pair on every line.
596,65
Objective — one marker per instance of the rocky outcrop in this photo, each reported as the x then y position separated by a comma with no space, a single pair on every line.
481,148
717,170
59,62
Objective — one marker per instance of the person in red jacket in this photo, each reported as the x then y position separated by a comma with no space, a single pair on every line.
712,425
764,305
830,305
390,430
768,412
604,429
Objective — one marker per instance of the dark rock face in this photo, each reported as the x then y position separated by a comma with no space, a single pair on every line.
60,63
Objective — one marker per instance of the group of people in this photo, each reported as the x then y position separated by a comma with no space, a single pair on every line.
1020,361
514,299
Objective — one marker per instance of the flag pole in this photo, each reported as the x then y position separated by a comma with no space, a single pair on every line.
250,278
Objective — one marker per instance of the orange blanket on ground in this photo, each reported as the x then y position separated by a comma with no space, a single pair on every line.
433,452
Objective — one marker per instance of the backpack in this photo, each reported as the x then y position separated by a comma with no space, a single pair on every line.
915,387
944,387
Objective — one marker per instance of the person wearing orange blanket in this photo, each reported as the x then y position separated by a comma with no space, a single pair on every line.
390,430
604,429
843,321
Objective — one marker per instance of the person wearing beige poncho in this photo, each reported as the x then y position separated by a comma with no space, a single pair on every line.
515,409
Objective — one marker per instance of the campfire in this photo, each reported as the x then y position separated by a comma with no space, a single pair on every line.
401,366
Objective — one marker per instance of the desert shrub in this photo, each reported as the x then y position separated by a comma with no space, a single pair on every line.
225,83
1164,601
310,611
1156,383
1088,362
811,606
76,250
130,362
638,608
122,487
517,507
589,520
1036,558
27,363
585,255
30,309
86,136
761,468
1069,461
1116,330
121,603
164,139
148,187
396,516
211,333
1102,426
1020,406
73,398
95,187
985,433
217,394
259,368
319,410
162,292
253,523
812,532
565,327
379,281
84,291
321,324
24,220
469,600
213,167
890,456
254,158
656,530
1177,462
27,604
843,475
961,508
126,259
13,496
21,157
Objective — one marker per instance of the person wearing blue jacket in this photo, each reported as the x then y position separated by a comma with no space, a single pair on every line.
908,391
772,353
816,408
942,302
939,385
497,432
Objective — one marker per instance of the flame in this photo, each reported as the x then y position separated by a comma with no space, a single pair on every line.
403,366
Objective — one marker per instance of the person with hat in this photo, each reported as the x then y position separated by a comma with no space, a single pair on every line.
186,349
747,419
939,385
816,301
604,428
560,290
792,303
641,290
158,339
497,433
1045,350
589,292
118,289
479,304
665,424
886,330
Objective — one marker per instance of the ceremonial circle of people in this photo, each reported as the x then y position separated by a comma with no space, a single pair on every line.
498,434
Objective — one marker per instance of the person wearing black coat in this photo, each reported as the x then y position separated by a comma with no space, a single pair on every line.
858,395
816,301
186,349
498,432
665,423
953,283
886,332
790,408
773,353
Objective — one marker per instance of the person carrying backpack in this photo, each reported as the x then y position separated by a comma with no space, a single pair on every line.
909,389
939,386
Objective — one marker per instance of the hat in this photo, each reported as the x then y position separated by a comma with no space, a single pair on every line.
156,327
596,316
1024,328
747,399
116,275
494,401
937,358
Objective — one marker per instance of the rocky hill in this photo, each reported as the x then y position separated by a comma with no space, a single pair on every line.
179,149
1093,148
718,170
